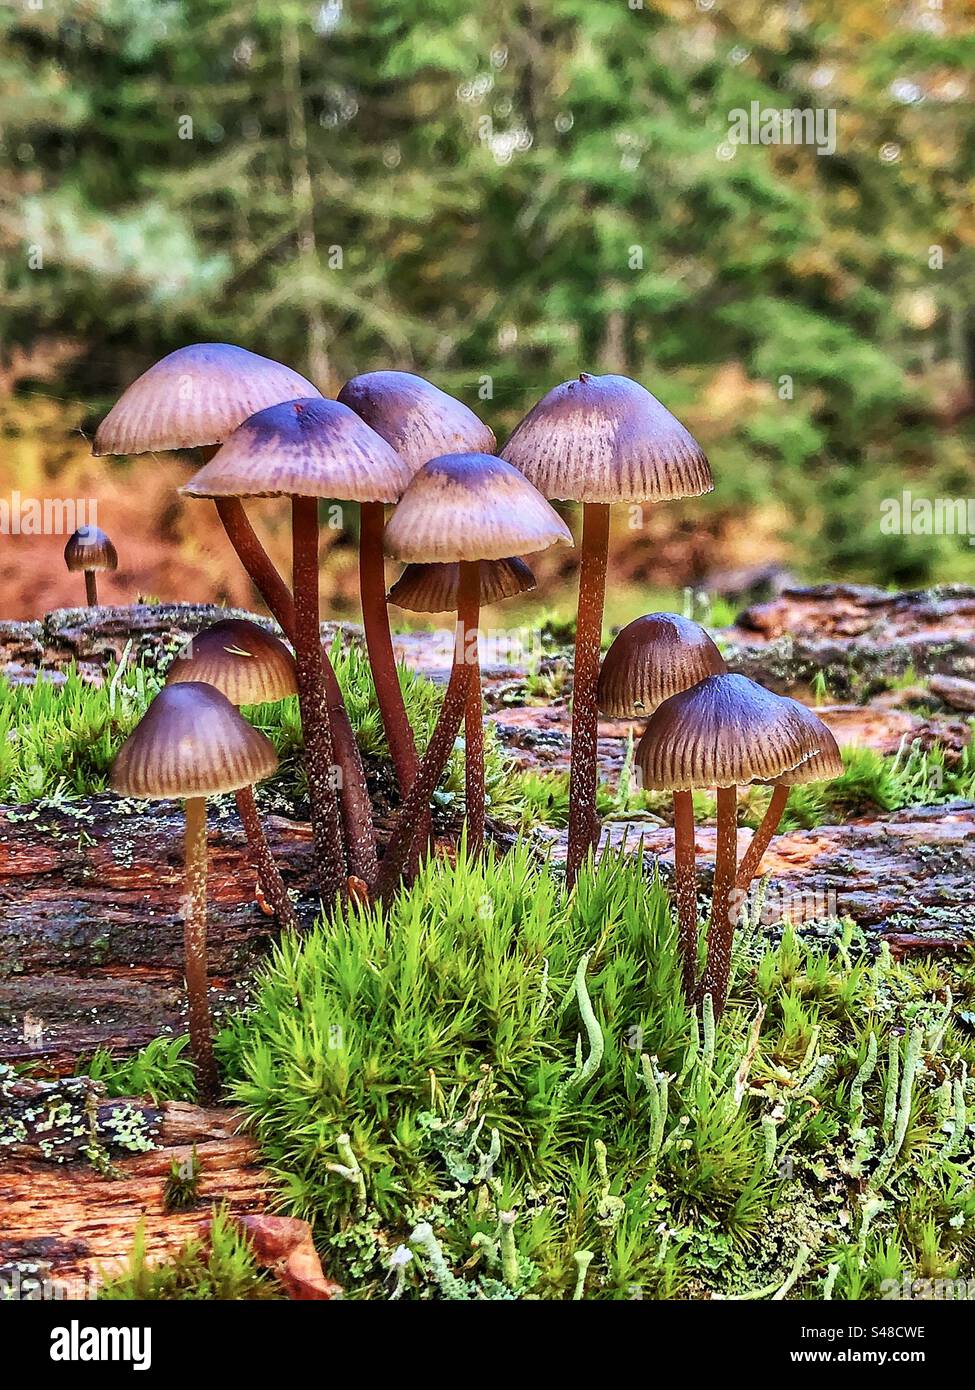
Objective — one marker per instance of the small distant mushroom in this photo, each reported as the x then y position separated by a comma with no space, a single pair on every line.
436,589
194,398
724,732
599,440
651,659
251,667
821,767
190,744
90,550
460,509
307,450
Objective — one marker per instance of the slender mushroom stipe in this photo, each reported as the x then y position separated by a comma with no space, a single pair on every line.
723,732
190,744
308,449
250,667
434,589
460,509
316,726
599,440
651,659
442,739
822,767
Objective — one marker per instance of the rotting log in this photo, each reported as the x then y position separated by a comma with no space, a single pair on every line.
91,928
74,1223
91,922
909,875
858,638
93,637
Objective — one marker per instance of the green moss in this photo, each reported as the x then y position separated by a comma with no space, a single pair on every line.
221,1268
159,1070
59,741
498,1087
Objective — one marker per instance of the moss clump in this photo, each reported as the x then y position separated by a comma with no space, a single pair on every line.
523,1090
159,1070
222,1268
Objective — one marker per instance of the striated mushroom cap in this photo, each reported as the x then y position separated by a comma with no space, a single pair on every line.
303,448
90,549
191,742
419,420
724,732
651,659
241,660
471,507
606,439
434,588
195,397
822,766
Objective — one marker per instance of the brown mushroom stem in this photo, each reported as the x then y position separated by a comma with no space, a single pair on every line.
686,883
444,735
583,821
195,948
382,663
262,860
721,930
91,588
762,838
356,805
474,758
379,644
313,703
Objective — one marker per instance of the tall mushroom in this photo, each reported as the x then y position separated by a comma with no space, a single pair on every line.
821,767
460,509
436,589
308,450
194,398
420,422
723,732
599,440
191,743
90,551
250,667
652,658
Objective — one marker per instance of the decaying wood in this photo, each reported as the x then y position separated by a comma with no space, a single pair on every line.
71,1118
910,874
151,633
72,1222
858,638
91,922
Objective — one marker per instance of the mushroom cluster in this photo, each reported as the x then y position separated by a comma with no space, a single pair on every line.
463,517
709,728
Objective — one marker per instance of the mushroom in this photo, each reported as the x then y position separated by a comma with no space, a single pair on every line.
821,767
90,550
460,509
420,422
652,658
599,440
250,667
435,589
191,743
194,398
307,450
723,732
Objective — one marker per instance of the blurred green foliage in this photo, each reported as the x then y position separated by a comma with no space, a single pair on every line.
499,196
